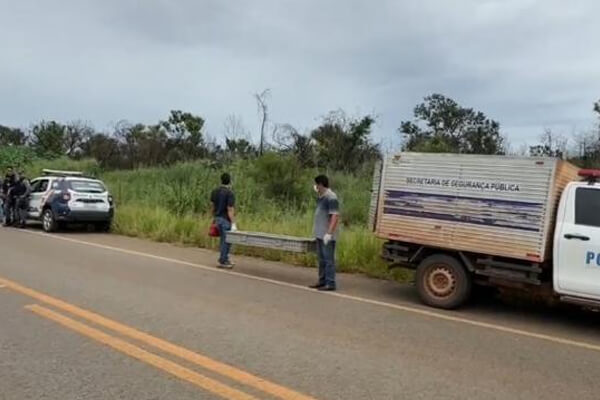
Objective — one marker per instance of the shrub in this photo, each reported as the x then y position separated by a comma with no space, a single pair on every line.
15,156
282,179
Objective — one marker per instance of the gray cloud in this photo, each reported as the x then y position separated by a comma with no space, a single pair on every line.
529,64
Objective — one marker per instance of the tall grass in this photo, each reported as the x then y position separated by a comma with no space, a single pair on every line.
358,249
185,188
171,205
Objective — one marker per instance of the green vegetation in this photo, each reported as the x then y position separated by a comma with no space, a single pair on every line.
170,205
441,125
161,174
273,195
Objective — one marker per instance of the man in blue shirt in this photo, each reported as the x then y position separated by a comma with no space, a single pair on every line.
223,210
327,216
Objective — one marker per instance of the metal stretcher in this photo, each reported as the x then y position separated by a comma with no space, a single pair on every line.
272,241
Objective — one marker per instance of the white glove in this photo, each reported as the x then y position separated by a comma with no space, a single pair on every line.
233,227
327,238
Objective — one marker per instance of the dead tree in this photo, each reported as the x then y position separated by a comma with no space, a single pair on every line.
261,102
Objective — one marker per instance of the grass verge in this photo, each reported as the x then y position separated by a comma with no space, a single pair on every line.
358,249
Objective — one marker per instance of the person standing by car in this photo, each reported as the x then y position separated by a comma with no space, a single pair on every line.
7,199
20,193
327,216
1,199
223,211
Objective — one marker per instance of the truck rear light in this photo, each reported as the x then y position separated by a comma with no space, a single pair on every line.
590,175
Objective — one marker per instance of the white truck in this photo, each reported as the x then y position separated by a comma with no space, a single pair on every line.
513,222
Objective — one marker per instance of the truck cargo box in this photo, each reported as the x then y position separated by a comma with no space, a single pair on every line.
495,205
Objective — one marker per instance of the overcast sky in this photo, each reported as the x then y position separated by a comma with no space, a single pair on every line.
528,64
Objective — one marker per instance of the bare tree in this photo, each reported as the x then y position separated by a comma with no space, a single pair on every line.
76,134
289,141
283,136
261,102
552,145
586,149
597,110
234,128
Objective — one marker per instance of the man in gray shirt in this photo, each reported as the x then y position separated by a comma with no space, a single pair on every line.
327,217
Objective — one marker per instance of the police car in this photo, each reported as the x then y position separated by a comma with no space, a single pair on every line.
62,197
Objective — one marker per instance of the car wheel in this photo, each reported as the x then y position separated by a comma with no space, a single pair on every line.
443,282
49,224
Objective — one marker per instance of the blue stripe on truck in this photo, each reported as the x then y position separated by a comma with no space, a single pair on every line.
499,213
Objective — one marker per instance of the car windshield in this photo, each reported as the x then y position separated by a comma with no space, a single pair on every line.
87,186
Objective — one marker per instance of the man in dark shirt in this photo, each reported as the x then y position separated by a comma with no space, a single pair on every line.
7,186
223,203
1,199
21,192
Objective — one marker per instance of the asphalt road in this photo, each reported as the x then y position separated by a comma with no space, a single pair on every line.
85,316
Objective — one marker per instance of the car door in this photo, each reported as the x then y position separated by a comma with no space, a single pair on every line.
39,187
577,270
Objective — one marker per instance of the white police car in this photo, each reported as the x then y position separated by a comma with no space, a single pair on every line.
62,197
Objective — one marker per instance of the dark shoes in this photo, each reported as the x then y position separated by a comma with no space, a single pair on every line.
326,288
227,265
317,286
323,288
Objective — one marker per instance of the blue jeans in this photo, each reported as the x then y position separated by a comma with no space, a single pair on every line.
326,256
224,226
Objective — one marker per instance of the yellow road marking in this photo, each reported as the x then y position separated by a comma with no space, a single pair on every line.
228,371
400,307
170,367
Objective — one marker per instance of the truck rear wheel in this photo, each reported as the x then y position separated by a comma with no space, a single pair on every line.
443,282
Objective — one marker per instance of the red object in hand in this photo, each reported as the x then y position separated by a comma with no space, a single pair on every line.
213,231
